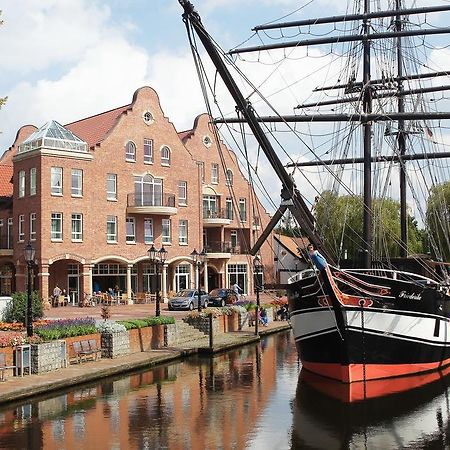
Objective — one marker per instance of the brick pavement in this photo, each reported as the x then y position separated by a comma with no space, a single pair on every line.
20,388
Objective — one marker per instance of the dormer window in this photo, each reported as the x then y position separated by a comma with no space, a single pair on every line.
229,177
130,151
165,156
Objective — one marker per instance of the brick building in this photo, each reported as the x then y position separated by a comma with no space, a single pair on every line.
92,197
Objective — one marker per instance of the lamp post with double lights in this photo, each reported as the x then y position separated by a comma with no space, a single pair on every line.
29,258
257,282
198,260
157,258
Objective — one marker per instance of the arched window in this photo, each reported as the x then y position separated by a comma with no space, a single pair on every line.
130,151
229,177
165,156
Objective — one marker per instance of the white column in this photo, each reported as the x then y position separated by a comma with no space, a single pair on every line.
129,294
205,276
164,284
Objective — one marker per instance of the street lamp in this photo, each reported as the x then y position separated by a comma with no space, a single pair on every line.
157,258
198,259
257,282
29,253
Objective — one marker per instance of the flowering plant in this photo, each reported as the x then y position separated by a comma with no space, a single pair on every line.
60,329
11,339
109,326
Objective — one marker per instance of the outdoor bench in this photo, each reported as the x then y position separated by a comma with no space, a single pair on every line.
84,349
4,367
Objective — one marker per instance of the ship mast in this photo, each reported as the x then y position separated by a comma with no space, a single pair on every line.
369,89
291,197
367,127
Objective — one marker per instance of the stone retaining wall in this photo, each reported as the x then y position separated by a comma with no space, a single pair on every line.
115,344
48,356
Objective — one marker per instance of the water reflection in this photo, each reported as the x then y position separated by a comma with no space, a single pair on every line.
251,398
330,415
205,403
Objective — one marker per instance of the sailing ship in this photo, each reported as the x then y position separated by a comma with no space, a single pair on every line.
376,321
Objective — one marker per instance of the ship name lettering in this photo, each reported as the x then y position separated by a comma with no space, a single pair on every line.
403,294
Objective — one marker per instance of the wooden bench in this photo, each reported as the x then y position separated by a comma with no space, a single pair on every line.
4,367
84,349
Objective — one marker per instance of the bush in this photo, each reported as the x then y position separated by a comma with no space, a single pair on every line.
109,326
148,322
60,329
16,309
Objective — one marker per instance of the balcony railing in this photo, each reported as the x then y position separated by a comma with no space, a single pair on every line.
222,247
137,200
221,213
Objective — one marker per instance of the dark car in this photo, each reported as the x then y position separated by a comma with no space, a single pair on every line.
222,297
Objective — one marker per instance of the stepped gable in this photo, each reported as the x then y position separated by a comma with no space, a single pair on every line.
6,185
94,129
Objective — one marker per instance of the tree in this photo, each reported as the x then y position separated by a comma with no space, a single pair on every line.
438,221
340,223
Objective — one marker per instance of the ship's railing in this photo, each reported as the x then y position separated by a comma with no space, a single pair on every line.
393,274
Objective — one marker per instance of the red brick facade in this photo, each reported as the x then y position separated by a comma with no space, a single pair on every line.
89,261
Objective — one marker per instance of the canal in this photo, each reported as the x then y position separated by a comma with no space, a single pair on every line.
250,398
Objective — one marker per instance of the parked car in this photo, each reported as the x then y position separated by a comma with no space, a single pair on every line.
222,297
188,299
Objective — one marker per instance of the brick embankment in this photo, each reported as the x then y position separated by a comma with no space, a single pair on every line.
20,388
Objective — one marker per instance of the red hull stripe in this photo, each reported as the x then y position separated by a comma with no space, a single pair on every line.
355,372
355,392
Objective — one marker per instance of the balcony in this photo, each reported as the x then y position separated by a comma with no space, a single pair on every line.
256,224
217,250
163,204
215,217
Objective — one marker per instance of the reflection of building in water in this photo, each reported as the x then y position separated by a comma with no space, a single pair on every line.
213,403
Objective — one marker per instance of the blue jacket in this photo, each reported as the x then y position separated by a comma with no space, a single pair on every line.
319,261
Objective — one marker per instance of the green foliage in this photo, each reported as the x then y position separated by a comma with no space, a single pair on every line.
340,219
129,324
60,329
16,309
438,221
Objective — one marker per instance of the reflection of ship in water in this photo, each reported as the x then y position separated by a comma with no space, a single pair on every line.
332,415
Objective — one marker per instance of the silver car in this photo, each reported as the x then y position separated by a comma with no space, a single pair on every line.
188,299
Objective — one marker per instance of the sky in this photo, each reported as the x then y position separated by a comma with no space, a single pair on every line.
70,59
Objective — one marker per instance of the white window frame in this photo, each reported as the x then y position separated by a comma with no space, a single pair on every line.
130,228
229,177
10,233
22,183
182,193
111,229
166,231
242,210
77,235
56,180
77,182
130,151
111,178
229,208
214,173
148,151
21,230
56,233
33,180
32,226
148,231
183,232
165,155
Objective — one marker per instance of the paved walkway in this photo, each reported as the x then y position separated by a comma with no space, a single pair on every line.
19,388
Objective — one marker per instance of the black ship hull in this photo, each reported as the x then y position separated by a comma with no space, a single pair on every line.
357,326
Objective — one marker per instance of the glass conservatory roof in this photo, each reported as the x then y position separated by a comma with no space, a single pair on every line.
54,136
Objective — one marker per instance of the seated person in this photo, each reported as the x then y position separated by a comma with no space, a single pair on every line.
263,317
